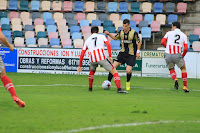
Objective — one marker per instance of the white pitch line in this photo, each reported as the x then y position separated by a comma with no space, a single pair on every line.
93,85
123,125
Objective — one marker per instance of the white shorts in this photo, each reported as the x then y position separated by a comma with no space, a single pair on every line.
107,65
2,66
172,59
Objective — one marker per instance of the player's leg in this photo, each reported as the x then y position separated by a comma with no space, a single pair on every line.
130,61
9,86
184,78
170,63
128,76
93,66
181,64
116,64
118,61
109,67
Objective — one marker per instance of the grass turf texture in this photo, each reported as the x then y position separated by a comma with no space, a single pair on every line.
65,107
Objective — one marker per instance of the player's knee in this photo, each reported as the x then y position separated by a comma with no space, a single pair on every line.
128,71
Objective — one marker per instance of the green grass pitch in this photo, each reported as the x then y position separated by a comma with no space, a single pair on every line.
61,103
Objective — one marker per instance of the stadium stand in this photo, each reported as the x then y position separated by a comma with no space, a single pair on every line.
36,16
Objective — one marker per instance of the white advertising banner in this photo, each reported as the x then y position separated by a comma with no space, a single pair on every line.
191,62
198,66
54,61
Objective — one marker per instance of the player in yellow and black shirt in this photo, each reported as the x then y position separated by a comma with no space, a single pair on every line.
130,44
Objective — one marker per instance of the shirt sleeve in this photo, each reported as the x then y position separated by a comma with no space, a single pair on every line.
136,36
166,35
85,46
118,35
105,39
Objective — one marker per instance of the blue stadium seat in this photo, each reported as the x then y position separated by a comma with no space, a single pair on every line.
193,38
74,29
5,27
10,40
123,7
146,32
158,7
78,5
76,35
112,7
41,34
17,34
143,24
149,18
125,16
110,29
3,14
24,5
170,7
101,6
72,22
6,33
132,23
50,22
135,7
54,42
30,41
5,21
51,28
84,23
13,5
35,5
96,23
115,44
172,18
28,28
35,15
103,17
107,23
47,15
69,17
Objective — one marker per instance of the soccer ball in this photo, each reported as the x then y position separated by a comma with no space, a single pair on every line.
106,85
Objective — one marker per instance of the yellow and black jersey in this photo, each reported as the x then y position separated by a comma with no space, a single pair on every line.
128,41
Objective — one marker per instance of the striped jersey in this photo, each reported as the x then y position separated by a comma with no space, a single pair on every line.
175,41
95,44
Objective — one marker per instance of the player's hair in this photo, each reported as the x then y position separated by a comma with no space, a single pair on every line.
177,24
95,29
126,21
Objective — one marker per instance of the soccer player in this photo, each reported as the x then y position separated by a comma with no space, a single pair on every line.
130,44
95,44
4,78
173,53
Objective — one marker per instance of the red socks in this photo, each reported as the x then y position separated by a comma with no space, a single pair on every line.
91,78
117,80
9,86
184,77
173,74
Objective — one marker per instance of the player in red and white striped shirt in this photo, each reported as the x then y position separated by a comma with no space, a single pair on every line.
174,54
95,44
4,78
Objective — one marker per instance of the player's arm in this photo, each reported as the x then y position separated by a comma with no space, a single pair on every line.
109,50
5,41
185,47
81,59
164,40
137,38
112,36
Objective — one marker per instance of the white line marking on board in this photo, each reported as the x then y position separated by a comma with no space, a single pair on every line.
123,125
96,86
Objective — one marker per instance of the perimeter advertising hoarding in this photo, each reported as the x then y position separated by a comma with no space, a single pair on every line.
9,58
53,61
153,64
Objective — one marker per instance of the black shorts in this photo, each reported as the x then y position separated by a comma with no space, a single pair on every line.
126,58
